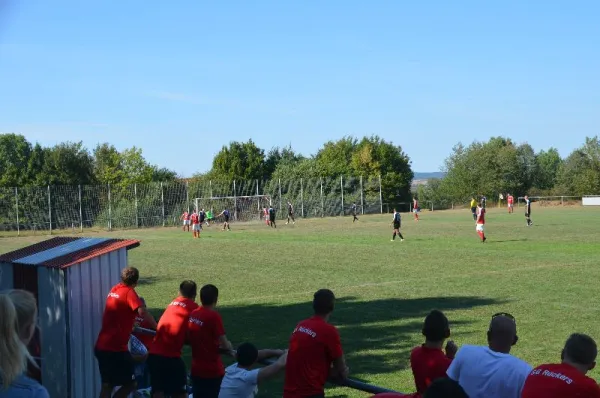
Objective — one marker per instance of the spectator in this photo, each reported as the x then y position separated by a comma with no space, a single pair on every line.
428,362
490,372
567,379
207,337
115,362
146,322
18,316
445,388
242,382
315,351
168,376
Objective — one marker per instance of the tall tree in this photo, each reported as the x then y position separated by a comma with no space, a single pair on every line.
276,156
548,166
580,172
335,157
15,151
239,161
136,169
163,174
108,167
68,163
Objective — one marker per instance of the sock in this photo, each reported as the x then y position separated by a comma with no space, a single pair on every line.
480,234
400,235
394,236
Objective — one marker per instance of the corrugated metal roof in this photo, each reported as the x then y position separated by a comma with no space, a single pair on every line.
63,252
59,251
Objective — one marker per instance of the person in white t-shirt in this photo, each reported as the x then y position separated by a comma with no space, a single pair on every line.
241,381
491,372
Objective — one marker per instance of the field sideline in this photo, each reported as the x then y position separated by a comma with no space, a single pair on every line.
546,276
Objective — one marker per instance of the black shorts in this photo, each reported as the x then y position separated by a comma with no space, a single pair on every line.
226,218
116,368
396,225
473,210
206,388
167,375
272,218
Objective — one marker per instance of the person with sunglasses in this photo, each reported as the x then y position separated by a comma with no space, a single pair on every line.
492,372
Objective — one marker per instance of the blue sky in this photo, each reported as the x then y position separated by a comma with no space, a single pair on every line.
180,79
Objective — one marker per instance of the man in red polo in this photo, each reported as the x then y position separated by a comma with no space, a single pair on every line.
314,347
567,379
168,376
114,360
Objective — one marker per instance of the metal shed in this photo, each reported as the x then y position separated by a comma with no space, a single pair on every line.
70,278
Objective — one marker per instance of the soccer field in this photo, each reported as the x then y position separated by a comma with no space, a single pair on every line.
546,276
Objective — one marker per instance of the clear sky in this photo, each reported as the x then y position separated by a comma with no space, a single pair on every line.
182,78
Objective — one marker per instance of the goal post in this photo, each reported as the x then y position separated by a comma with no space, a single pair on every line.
241,208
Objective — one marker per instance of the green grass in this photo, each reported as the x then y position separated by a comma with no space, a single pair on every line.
546,276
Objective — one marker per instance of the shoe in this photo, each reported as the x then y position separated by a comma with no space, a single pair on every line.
484,239
391,240
286,223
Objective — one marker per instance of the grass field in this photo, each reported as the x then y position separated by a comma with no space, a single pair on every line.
546,276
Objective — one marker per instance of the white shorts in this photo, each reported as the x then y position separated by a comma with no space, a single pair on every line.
196,227
479,227
510,205
186,222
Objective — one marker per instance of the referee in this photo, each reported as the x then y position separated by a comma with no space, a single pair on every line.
528,211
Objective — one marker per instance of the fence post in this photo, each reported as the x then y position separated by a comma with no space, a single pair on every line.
80,211
187,195
342,188
17,206
280,198
257,195
137,223
362,204
162,199
210,188
302,197
561,200
380,195
322,203
234,202
49,210
431,205
109,210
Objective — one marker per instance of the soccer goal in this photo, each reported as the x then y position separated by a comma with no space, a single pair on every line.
241,208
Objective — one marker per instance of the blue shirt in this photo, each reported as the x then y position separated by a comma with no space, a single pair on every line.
24,387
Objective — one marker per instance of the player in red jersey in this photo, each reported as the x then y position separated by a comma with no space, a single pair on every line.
114,360
567,379
480,223
146,322
266,215
207,337
168,375
185,217
510,200
196,226
315,352
416,208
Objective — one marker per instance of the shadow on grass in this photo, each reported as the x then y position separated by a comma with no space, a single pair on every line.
507,240
377,335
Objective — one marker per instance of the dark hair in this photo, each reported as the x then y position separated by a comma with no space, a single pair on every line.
209,294
188,289
581,349
130,276
436,326
247,354
445,388
323,302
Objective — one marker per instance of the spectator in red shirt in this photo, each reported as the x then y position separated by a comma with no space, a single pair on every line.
114,360
147,322
207,338
428,361
567,379
315,352
168,375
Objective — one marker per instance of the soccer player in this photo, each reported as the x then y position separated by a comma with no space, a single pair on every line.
146,322
474,208
114,359
396,221
207,337
196,226
315,352
290,213
272,222
202,215
185,217
416,208
528,211
209,217
168,376
225,214
483,201
511,200
480,223
266,215
428,361
567,379
353,209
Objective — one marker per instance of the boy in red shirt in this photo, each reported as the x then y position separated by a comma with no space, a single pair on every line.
314,347
168,375
480,223
114,360
511,201
567,379
196,226
145,322
207,338
185,217
429,362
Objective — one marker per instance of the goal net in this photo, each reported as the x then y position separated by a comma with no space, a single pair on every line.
241,208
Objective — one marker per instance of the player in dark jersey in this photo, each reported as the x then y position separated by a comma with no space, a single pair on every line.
290,213
225,214
528,211
353,210
202,215
272,217
396,221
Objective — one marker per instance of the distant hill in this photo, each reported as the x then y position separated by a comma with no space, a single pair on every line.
426,176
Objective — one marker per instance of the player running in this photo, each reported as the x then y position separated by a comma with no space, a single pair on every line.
290,213
266,215
225,214
272,217
528,211
196,224
479,224
185,217
353,210
396,221
511,200
416,208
